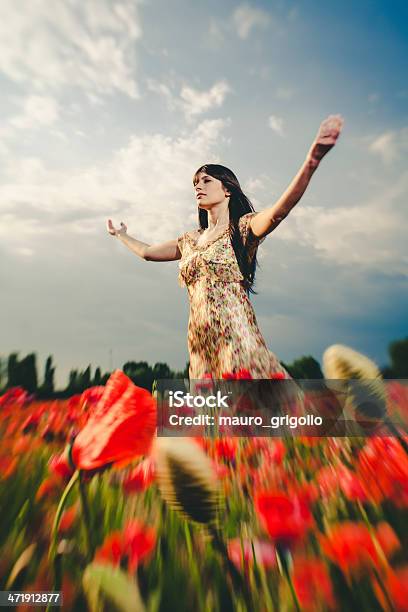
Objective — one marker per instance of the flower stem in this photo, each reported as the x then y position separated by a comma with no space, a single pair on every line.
87,517
58,514
53,557
236,577
282,558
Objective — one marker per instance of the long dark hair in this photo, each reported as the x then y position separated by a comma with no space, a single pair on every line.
238,206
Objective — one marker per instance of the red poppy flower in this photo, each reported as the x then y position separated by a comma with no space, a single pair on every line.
120,428
59,466
351,485
383,468
398,398
242,553
397,587
130,546
275,451
15,395
92,395
50,487
351,546
226,448
7,466
286,519
140,478
67,519
221,470
31,422
327,480
312,584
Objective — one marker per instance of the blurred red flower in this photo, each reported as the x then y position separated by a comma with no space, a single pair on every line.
275,451
120,428
140,477
327,480
226,448
351,485
15,395
67,519
60,467
242,554
286,519
312,584
383,469
129,546
398,398
50,487
351,546
92,395
397,586
7,466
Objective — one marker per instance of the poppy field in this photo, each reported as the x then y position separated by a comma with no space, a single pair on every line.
95,505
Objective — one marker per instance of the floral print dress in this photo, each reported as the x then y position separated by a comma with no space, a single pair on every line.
223,334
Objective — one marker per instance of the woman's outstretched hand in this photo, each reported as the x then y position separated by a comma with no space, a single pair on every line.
326,138
116,232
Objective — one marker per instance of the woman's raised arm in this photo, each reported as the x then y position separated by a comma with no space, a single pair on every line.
266,220
166,251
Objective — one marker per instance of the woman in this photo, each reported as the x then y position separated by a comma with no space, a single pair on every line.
218,261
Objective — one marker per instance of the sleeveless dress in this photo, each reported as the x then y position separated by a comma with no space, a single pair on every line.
223,334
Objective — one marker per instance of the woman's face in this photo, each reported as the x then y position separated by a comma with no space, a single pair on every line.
209,191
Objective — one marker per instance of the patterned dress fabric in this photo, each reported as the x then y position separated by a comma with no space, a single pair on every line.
223,334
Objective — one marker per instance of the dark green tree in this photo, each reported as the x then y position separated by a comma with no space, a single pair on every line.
22,373
47,388
72,386
140,373
85,379
28,373
398,352
305,367
3,373
105,378
97,377
162,370
12,370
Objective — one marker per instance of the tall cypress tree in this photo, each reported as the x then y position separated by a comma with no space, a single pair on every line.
47,388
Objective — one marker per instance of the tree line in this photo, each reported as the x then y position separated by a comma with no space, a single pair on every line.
22,372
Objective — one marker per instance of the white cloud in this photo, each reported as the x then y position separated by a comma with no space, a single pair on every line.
196,102
390,145
37,111
385,147
148,183
163,90
370,235
24,252
276,124
245,18
89,45
191,102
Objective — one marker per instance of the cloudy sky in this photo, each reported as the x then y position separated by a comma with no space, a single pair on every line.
108,107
